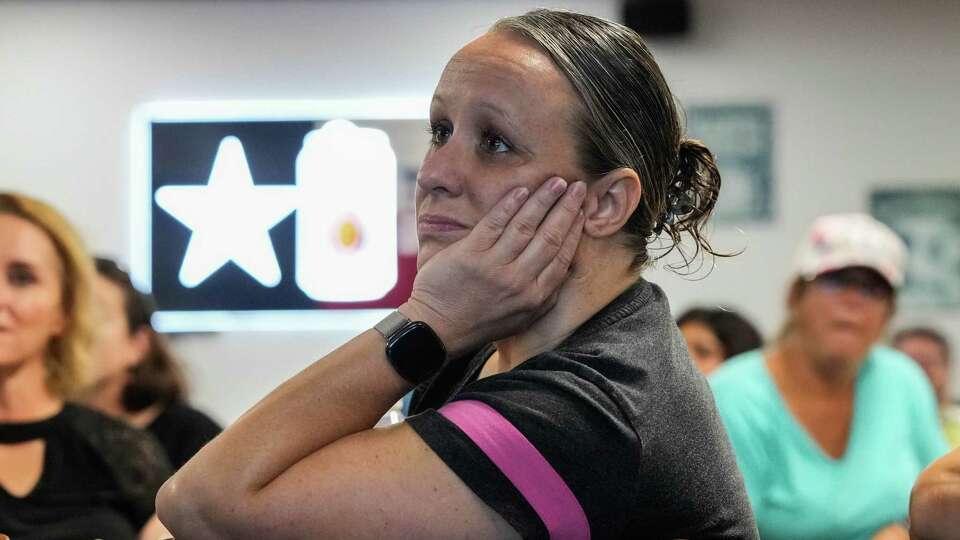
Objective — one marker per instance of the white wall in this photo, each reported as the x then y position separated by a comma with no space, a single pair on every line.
863,91
864,94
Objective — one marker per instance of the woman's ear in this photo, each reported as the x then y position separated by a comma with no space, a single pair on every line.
139,345
891,307
795,291
60,323
610,202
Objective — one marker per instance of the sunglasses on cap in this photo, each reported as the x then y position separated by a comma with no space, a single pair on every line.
865,281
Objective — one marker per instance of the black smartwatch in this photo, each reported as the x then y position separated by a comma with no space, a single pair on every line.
413,348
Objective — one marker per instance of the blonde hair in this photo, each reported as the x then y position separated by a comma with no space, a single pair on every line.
68,356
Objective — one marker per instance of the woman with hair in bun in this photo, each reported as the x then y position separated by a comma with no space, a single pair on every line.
554,394
66,472
137,378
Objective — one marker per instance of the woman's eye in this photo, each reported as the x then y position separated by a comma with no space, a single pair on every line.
494,144
439,134
20,277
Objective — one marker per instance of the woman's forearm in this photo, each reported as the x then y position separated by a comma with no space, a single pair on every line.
345,392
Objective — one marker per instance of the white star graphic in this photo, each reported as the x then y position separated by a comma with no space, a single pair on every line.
230,219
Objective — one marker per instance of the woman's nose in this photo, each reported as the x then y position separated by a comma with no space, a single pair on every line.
442,171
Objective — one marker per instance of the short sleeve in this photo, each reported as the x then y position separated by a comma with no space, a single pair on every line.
135,459
929,439
543,446
183,431
195,434
139,474
742,404
746,436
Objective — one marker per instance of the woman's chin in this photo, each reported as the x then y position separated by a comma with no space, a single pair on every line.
847,354
429,247
425,253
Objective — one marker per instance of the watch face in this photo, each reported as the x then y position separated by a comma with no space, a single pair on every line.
416,351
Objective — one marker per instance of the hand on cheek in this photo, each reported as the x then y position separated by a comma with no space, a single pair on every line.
505,274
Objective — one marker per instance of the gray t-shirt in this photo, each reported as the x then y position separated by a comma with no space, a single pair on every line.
614,434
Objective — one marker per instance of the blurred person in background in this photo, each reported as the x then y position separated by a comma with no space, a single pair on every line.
831,430
931,350
715,334
555,397
935,501
66,471
136,377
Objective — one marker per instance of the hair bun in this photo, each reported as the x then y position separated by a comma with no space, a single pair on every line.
690,199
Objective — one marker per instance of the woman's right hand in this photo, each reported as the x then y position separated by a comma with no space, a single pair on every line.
506,273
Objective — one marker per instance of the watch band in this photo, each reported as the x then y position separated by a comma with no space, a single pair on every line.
391,324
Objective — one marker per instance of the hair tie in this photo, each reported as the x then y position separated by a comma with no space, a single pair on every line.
680,202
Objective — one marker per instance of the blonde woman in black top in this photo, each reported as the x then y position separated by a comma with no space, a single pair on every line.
66,472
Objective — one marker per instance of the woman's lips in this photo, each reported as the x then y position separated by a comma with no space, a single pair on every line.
433,223
846,328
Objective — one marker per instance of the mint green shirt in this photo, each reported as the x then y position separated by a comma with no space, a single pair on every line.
796,489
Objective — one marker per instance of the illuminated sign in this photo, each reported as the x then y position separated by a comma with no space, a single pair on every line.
275,215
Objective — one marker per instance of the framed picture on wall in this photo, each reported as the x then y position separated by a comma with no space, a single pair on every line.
258,215
928,220
741,139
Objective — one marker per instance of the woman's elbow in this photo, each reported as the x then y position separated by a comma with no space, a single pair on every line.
187,509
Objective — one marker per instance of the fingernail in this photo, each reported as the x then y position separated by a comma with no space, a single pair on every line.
558,185
578,190
520,194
